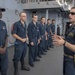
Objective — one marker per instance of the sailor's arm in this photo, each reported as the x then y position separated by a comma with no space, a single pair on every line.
70,46
59,41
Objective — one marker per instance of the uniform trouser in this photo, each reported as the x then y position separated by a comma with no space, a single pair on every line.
50,41
32,53
20,52
39,49
68,66
4,63
42,45
51,38
46,44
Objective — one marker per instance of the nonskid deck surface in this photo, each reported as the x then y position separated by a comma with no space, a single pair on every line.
50,64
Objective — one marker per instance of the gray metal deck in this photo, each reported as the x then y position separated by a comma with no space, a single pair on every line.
50,64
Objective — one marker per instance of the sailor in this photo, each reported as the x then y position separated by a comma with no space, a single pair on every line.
33,34
20,33
69,46
3,45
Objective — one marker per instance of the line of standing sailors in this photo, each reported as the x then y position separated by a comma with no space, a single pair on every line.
39,36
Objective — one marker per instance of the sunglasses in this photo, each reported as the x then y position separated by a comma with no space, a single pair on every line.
72,13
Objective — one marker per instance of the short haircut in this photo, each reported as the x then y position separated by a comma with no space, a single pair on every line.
21,13
42,17
53,20
48,19
73,8
34,15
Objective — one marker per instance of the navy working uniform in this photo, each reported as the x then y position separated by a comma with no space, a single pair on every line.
58,30
42,29
3,57
69,56
48,29
53,28
33,34
20,47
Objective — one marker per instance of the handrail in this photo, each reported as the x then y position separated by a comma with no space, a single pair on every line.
33,1
61,2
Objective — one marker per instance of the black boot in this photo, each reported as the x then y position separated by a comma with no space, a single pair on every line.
16,72
43,53
39,56
23,67
36,59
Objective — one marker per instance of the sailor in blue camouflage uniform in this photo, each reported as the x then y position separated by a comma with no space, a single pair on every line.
33,34
3,45
69,46
20,33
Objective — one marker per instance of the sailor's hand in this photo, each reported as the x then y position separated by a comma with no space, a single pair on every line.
2,50
32,43
58,40
24,40
46,38
38,41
